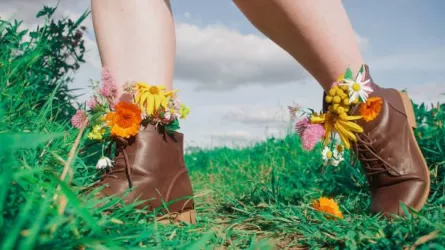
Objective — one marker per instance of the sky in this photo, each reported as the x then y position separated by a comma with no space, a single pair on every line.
238,83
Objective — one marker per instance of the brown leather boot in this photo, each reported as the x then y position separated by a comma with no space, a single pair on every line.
152,163
387,149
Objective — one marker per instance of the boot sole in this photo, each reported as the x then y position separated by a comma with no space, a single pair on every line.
188,217
412,122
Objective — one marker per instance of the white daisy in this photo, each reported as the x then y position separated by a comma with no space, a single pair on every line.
327,156
358,88
338,150
333,162
338,154
104,162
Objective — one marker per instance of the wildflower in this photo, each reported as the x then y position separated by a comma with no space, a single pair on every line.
176,103
339,149
125,121
175,107
326,119
312,135
130,87
342,124
358,89
371,109
184,111
346,129
151,98
92,103
328,206
301,125
96,133
167,115
109,86
293,110
327,155
104,162
338,155
79,119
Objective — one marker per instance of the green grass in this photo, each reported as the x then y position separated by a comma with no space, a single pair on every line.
253,198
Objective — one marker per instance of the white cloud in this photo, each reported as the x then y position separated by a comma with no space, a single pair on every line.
217,57
26,10
235,135
429,60
260,115
241,138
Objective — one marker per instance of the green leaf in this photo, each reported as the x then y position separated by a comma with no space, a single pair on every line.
350,240
46,11
75,203
201,243
172,127
348,74
81,19
20,221
37,223
12,142
362,68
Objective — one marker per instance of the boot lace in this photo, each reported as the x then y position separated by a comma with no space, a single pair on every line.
370,159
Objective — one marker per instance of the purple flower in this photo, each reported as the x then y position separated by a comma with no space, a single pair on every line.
311,135
79,119
109,86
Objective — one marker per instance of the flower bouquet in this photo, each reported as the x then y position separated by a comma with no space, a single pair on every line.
107,117
348,102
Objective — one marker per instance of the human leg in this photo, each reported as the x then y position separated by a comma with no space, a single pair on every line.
318,34
136,41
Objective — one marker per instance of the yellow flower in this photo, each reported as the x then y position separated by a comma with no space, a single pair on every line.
346,128
151,98
342,124
184,111
96,133
328,206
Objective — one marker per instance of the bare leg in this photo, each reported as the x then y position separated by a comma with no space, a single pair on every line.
136,39
317,33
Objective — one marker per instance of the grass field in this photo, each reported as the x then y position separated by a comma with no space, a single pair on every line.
257,197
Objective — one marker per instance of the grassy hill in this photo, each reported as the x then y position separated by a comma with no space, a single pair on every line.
252,198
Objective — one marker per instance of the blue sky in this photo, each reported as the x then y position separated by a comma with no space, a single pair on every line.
398,28
238,83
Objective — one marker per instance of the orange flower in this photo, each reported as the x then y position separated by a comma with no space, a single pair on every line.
125,121
328,206
371,108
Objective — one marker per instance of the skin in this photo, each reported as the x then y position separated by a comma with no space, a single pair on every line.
136,38
317,33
